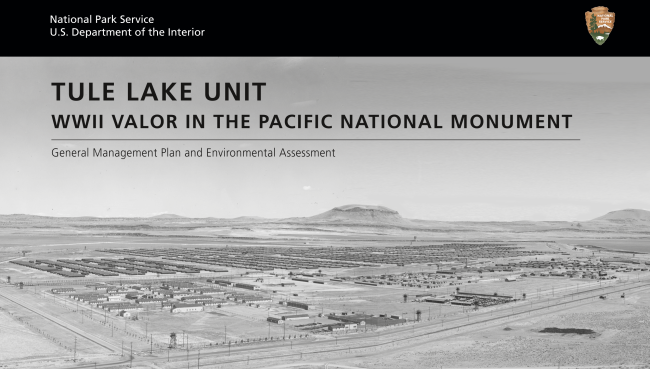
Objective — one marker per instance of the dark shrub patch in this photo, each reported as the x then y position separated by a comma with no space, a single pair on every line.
567,330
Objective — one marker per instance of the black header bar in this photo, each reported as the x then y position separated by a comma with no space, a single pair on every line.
212,29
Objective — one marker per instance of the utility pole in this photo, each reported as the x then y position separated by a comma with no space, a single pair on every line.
131,359
198,360
74,360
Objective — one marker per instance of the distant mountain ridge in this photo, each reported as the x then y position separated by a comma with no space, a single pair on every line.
167,216
626,215
353,219
355,213
360,213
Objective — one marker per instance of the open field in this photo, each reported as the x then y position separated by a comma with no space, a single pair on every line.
630,245
621,338
21,341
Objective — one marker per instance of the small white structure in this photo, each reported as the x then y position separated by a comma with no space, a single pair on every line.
295,317
186,308
600,38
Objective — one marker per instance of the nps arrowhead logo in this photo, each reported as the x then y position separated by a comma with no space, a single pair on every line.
600,23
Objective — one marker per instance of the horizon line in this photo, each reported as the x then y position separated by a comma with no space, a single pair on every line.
281,218
315,139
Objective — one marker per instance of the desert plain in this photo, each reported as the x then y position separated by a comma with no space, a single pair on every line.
355,287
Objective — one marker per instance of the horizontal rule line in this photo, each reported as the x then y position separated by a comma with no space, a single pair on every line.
315,139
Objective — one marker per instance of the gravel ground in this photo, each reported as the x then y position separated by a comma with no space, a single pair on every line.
622,338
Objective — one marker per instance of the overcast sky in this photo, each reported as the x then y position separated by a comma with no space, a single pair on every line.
441,180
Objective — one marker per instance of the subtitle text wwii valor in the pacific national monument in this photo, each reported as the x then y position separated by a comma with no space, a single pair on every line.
600,23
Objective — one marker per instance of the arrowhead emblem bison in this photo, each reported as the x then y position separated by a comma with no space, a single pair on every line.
600,23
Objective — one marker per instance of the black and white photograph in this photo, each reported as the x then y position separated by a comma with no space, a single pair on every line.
325,212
